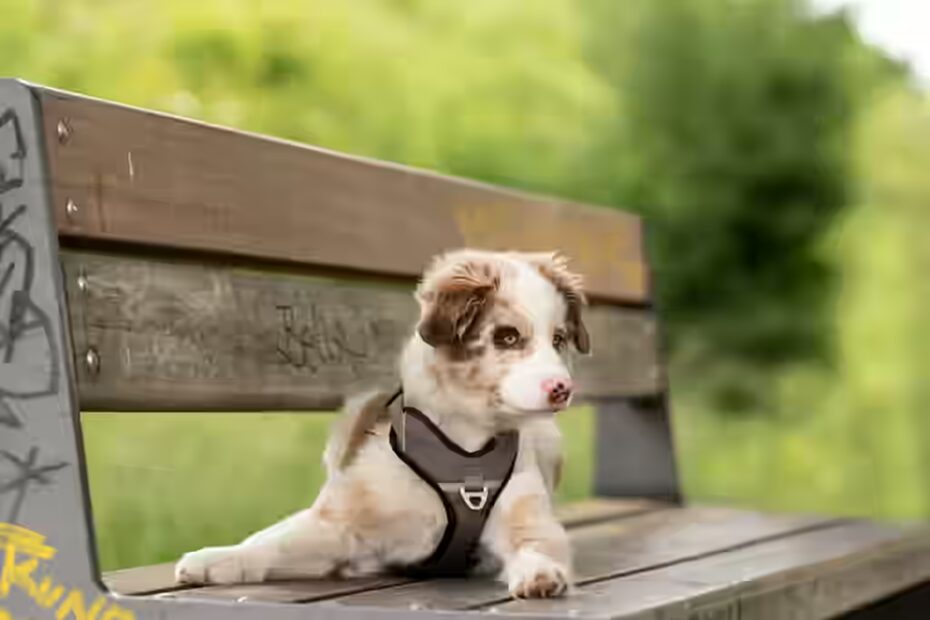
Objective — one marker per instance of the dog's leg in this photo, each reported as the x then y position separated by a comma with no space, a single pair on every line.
524,532
302,545
310,543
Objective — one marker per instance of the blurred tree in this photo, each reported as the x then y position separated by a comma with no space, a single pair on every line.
883,325
734,127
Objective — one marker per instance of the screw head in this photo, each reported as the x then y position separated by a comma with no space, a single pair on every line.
64,131
92,360
82,281
71,208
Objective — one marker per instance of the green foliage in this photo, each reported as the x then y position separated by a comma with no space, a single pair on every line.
736,120
853,438
434,84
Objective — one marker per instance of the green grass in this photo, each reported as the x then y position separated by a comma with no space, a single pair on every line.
163,484
821,451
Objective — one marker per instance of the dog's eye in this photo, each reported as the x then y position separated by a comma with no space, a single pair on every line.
506,337
559,341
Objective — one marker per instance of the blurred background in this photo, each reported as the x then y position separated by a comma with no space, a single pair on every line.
780,150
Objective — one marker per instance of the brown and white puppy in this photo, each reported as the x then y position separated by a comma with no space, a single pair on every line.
488,355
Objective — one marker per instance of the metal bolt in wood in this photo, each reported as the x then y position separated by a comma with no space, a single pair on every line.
82,281
92,360
64,131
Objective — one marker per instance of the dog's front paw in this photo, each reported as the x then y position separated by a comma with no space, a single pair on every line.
534,575
221,565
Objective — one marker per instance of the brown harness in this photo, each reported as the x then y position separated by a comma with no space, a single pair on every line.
468,483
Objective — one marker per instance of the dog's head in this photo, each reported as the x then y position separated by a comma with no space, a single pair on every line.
497,327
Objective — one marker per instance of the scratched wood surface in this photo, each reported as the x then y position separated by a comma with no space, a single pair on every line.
141,177
699,563
173,335
673,563
613,549
159,578
812,575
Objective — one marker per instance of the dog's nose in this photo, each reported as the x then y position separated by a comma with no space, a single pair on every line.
559,390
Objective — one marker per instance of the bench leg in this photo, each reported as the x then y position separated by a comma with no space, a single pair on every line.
635,451
44,510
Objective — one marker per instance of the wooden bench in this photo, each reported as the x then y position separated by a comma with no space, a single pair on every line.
149,263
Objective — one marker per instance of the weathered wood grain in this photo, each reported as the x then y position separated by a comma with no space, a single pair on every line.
601,509
298,591
813,575
159,578
613,548
142,579
694,563
172,335
147,178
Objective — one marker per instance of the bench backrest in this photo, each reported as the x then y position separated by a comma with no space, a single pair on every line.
209,269
152,263
195,268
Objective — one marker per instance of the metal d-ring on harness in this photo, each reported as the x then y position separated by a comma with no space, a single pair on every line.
468,483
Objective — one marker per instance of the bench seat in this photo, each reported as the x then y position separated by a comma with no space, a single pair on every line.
643,559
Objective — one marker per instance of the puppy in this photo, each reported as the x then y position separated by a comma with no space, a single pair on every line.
488,356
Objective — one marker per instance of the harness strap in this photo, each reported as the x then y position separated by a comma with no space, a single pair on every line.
468,483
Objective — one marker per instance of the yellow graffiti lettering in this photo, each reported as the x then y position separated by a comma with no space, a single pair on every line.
24,552
46,596
26,541
74,605
19,575
17,540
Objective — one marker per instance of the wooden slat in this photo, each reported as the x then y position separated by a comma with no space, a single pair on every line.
303,591
173,335
159,578
599,509
141,580
818,574
613,548
148,178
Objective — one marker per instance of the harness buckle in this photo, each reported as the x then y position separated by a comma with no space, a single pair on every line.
476,500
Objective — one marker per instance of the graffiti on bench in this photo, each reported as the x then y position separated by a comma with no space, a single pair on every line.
24,328
28,472
12,151
24,568
309,339
26,333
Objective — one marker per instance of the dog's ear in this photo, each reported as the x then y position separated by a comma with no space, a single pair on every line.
452,294
554,267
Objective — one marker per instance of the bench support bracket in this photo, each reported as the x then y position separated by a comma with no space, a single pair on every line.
635,449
